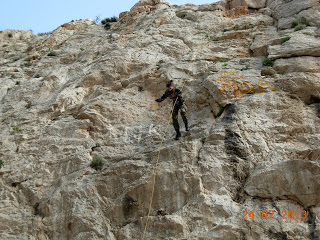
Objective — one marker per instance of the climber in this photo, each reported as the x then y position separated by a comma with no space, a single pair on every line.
174,93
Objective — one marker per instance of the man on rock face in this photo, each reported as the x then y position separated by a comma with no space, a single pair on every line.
176,95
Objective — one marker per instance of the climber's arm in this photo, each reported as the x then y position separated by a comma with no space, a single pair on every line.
164,96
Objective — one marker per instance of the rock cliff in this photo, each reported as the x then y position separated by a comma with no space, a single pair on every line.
249,168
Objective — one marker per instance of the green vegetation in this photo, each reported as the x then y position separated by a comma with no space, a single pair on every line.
236,27
112,19
300,24
294,23
42,34
286,38
268,62
245,68
300,27
17,129
52,54
305,21
262,23
10,35
203,139
96,163
223,60
29,105
263,73
221,109
107,22
159,64
1,163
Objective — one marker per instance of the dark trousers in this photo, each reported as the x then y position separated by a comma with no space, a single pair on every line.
183,112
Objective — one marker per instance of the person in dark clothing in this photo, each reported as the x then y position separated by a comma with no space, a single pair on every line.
176,95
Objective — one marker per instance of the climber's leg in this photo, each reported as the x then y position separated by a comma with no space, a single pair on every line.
183,113
175,122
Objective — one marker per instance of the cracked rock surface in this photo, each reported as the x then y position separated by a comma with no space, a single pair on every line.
249,167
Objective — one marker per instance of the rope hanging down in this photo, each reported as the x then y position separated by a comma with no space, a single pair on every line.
157,162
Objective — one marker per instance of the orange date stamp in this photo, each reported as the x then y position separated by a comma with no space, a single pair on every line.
270,214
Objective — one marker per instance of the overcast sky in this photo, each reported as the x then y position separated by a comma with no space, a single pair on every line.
44,16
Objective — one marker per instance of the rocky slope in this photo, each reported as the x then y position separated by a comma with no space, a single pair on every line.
253,144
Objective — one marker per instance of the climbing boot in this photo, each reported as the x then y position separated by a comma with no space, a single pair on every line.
178,136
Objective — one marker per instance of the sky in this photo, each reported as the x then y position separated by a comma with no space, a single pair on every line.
45,16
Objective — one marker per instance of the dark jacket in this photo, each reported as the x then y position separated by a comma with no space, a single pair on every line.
173,95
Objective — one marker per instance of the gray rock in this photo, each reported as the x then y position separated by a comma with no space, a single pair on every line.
295,180
257,4
300,44
80,131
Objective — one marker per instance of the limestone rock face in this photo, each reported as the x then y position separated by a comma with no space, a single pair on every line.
150,3
250,3
248,168
288,11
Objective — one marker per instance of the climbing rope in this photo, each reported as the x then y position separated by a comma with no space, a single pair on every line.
157,162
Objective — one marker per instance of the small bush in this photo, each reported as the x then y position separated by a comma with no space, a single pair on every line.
286,38
221,109
300,27
300,24
203,139
159,64
223,60
16,129
10,35
109,20
268,62
305,21
42,34
29,105
236,27
96,163
107,26
1,163
245,68
52,54
294,23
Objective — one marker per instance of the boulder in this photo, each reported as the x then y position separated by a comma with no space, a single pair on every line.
296,180
154,3
300,44
297,64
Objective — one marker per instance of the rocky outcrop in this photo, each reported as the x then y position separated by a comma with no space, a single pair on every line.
288,11
257,4
247,169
